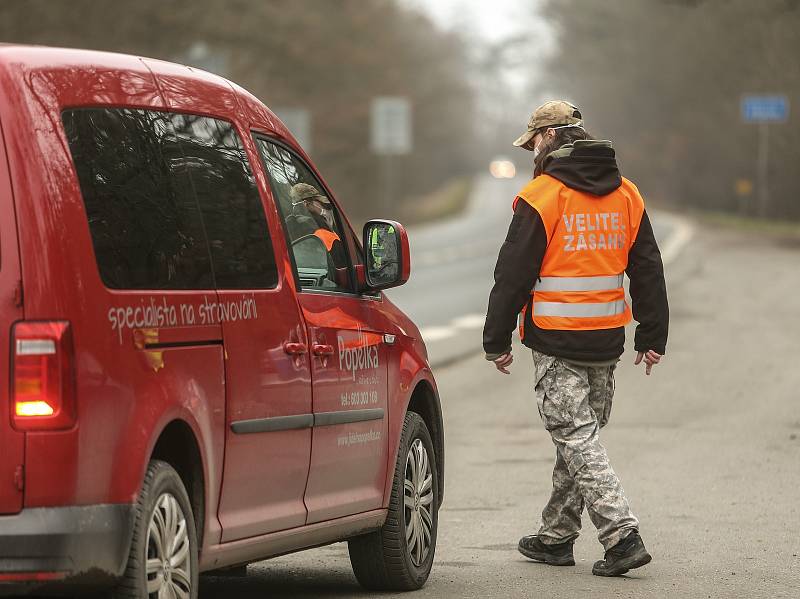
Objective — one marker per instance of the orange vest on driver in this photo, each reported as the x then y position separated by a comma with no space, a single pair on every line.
588,240
327,237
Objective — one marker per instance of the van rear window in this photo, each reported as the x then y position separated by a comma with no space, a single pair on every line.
171,201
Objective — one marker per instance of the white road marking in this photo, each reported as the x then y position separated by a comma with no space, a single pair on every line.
682,235
469,321
436,333
462,323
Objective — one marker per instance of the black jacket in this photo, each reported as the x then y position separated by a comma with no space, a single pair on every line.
590,168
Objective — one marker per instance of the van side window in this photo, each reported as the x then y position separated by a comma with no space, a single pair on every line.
233,215
146,228
312,222
171,201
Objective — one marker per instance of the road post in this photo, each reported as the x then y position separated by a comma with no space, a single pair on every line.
763,168
390,136
763,110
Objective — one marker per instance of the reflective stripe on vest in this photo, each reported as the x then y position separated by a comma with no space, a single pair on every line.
579,283
583,309
579,310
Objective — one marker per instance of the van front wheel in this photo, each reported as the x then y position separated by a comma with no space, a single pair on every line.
163,557
399,556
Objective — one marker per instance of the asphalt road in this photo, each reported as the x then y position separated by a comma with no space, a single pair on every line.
708,448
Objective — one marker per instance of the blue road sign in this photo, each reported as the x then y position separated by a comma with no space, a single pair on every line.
765,109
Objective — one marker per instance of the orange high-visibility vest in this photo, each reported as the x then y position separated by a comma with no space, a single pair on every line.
327,237
588,240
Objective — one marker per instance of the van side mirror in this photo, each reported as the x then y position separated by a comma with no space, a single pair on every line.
386,254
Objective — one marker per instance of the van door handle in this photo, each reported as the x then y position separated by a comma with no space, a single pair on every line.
293,348
319,349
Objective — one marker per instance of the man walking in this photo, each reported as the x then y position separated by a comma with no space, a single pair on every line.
578,226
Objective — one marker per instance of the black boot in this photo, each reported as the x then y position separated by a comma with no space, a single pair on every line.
626,555
555,555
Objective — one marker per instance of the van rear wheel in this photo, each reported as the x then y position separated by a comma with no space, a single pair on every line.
399,556
163,556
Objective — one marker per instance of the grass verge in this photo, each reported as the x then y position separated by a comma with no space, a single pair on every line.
766,226
448,200
772,227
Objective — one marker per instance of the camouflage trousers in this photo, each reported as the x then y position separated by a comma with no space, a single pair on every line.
574,403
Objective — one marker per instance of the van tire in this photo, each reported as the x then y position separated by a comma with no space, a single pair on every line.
162,484
382,560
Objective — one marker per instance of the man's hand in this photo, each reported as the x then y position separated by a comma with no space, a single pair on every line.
503,361
651,358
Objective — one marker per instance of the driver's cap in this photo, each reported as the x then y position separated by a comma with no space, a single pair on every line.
304,191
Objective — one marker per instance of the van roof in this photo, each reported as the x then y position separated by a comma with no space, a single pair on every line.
148,81
41,56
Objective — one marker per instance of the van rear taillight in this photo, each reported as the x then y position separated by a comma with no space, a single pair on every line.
42,384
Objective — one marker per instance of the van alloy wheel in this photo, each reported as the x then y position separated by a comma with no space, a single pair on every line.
162,561
168,564
417,499
399,555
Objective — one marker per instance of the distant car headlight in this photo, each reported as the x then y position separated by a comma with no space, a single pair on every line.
502,169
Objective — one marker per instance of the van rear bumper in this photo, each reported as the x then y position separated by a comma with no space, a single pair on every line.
73,547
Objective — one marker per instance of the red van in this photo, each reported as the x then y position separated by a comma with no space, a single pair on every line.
202,368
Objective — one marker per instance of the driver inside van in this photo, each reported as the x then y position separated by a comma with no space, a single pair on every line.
316,219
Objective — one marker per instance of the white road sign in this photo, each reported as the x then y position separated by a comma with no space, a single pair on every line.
390,132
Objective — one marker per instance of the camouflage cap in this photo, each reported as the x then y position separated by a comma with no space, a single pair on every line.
304,191
550,114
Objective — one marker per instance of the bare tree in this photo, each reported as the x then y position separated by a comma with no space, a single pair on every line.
327,56
664,79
